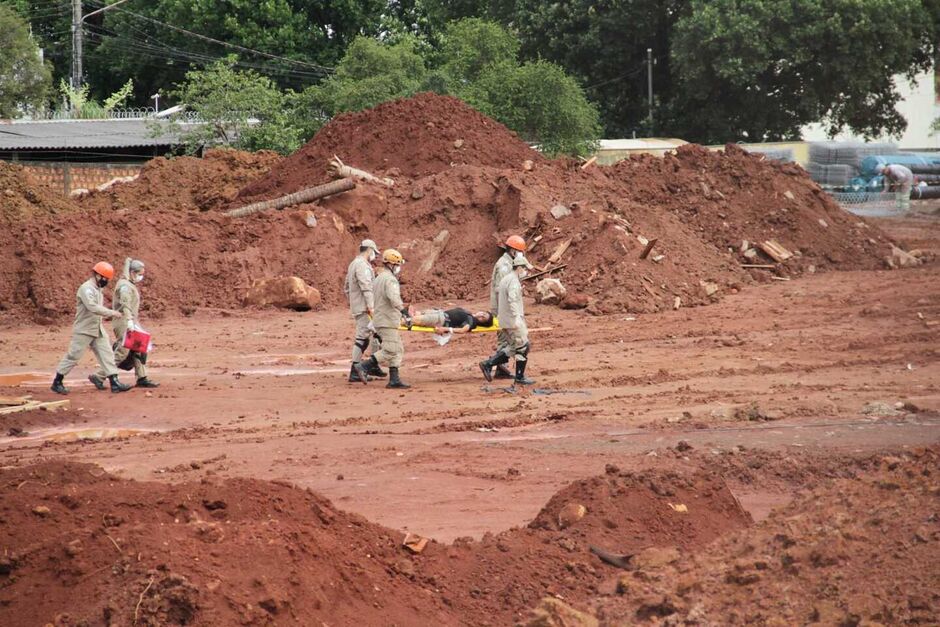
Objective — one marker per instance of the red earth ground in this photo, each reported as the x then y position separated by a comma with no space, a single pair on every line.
825,388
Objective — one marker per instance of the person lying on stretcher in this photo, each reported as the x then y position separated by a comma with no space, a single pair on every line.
457,320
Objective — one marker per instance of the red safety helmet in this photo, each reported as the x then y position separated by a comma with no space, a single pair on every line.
105,269
516,243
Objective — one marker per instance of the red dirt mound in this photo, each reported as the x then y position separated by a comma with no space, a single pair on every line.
186,183
698,205
22,196
498,578
80,546
854,551
415,136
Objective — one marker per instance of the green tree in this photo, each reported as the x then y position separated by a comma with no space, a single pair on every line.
604,44
760,70
309,33
370,73
25,80
471,45
240,109
542,103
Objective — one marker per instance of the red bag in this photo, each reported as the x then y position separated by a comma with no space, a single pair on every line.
137,341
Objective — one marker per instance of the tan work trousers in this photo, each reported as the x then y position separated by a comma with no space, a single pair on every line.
120,354
100,345
392,349
517,343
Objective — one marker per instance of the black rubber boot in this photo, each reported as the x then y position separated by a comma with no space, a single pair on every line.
394,381
97,381
57,386
373,369
144,382
486,366
520,374
117,386
357,374
502,372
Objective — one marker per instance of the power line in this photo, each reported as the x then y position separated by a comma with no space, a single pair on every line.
170,53
321,68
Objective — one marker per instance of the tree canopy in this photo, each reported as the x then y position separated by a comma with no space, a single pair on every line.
723,70
25,80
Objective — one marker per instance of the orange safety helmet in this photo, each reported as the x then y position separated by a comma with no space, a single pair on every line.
105,269
516,243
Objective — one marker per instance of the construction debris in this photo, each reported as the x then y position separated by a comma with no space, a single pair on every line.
649,248
559,252
345,171
437,247
775,251
415,543
305,195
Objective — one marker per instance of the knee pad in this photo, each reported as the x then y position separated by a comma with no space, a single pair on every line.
362,344
524,349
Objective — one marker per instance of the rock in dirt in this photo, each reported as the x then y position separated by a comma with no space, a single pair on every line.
655,557
901,258
287,292
560,211
570,514
576,301
42,510
552,612
550,292
880,409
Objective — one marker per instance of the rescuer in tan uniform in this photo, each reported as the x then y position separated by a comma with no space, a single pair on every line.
511,311
88,330
513,247
126,299
389,310
358,289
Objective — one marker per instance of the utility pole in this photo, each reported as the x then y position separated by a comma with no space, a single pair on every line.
76,44
649,83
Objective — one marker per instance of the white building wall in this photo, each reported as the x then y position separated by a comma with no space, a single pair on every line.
919,107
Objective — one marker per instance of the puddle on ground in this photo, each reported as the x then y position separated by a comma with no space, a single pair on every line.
75,435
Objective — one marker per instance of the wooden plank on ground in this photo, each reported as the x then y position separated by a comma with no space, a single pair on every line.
775,250
649,248
18,408
559,252
14,400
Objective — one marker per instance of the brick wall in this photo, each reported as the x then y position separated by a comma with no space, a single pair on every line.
68,177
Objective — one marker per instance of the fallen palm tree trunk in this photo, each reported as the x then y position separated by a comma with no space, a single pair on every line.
348,171
304,195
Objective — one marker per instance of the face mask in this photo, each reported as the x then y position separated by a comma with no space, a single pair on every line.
396,270
523,274
102,281
138,278
371,255
517,254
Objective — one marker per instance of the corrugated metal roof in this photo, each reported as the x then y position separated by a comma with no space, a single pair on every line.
68,134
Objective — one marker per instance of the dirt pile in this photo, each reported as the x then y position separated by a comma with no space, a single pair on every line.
698,206
410,138
853,551
22,196
186,183
83,545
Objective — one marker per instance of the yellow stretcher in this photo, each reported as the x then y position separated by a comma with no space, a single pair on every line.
490,329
